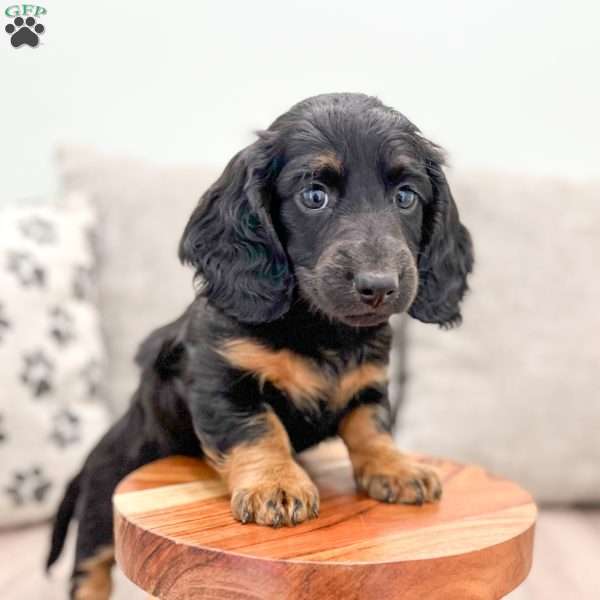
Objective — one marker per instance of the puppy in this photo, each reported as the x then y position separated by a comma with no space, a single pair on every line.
335,218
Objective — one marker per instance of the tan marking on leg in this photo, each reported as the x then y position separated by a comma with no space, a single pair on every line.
363,376
291,373
267,485
380,469
95,582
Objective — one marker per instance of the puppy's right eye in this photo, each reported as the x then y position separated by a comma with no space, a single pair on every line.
314,198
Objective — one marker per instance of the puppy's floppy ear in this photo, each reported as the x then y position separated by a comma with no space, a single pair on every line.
231,241
445,255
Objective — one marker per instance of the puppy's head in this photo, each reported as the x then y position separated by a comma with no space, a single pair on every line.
343,202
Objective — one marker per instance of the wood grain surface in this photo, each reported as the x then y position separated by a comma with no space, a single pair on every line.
175,538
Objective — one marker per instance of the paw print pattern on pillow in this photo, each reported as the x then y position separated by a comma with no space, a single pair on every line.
27,270
38,229
4,322
51,353
84,286
66,428
28,486
91,375
37,373
61,326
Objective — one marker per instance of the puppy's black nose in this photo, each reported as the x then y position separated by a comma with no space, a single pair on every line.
375,288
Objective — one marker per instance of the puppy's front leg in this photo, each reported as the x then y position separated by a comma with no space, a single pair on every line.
267,486
380,469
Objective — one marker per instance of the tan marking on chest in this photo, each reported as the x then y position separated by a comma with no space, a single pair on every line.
299,377
357,379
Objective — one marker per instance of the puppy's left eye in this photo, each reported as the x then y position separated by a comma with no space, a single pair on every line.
406,198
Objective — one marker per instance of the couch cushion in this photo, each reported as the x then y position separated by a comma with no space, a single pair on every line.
51,353
143,209
516,387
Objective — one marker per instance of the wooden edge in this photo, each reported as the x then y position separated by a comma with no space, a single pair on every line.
173,569
485,574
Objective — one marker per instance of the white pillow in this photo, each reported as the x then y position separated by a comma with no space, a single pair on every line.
51,354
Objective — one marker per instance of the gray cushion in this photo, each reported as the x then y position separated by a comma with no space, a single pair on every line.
516,387
143,209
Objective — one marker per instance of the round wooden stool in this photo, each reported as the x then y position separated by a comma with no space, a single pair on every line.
176,539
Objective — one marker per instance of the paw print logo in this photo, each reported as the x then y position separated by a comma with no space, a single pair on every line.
65,428
39,230
37,373
26,269
28,486
61,327
4,322
24,32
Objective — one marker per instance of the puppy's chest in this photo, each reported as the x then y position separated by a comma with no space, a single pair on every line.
307,382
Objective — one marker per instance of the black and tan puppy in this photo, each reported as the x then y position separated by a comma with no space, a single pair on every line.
338,216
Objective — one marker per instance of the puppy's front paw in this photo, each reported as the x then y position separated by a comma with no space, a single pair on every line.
277,499
390,477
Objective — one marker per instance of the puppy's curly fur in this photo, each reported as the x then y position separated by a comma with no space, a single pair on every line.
336,217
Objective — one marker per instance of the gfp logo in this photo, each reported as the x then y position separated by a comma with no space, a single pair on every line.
24,29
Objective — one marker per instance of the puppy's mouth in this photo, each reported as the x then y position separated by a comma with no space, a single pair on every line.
367,319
